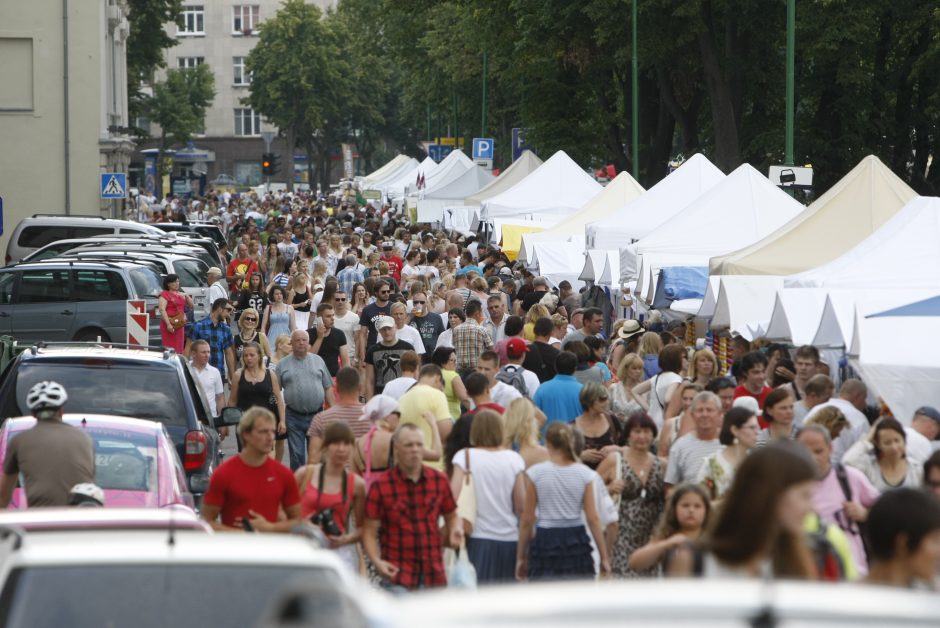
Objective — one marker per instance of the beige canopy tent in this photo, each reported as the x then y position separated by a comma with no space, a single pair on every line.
519,170
849,212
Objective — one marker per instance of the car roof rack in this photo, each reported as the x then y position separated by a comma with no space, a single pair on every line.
59,260
98,216
47,344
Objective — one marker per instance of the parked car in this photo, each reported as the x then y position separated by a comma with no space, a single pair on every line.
39,520
158,578
61,300
145,384
40,229
175,245
136,464
192,272
207,229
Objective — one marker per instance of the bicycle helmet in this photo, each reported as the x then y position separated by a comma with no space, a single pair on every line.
46,395
86,494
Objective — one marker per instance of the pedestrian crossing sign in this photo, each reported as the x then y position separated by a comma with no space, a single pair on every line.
113,185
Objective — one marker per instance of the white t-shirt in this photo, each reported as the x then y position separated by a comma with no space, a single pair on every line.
660,388
211,381
410,335
504,394
494,476
918,447
348,323
398,386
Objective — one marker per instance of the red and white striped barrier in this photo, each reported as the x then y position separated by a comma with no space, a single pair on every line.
138,323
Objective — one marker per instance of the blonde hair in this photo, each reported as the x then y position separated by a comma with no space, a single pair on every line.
282,339
251,416
478,284
248,311
631,359
536,312
708,353
298,282
560,437
831,419
519,424
650,344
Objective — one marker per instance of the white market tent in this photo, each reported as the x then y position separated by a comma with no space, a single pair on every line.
556,189
615,194
742,305
837,321
657,205
383,173
559,262
449,169
527,163
432,202
902,254
610,276
851,210
593,264
796,314
396,189
403,169
740,210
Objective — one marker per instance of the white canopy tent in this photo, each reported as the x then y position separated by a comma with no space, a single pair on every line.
615,194
557,188
610,276
450,168
657,205
742,304
850,211
558,263
837,322
382,173
396,189
405,167
710,301
741,209
796,315
593,264
527,163
432,202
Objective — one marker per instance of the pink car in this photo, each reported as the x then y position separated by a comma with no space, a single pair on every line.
136,463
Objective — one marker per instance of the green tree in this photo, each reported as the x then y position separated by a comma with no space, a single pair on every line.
146,43
179,104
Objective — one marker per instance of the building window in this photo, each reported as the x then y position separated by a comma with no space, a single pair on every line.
248,172
247,122
242,76
188,63
192,20
244,18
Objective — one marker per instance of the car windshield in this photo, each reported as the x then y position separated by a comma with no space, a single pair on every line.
147,595
146,282
124,460
109,386
192,273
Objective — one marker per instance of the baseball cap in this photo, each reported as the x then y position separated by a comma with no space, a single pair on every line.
384,321
928,411
516,347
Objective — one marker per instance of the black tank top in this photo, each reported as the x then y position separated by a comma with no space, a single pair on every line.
300,297
260,394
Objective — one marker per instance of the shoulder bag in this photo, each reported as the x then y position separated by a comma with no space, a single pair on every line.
467,502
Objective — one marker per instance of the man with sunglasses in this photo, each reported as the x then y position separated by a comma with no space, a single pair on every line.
429,325
216,331
368,332
346,321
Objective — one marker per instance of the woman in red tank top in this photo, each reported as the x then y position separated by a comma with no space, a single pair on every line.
330,492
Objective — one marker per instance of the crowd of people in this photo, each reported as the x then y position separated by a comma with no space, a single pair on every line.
435,397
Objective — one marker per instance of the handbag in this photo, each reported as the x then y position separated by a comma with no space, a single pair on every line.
178,319
467,502
461,574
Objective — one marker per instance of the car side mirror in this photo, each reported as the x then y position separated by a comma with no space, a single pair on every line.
230,416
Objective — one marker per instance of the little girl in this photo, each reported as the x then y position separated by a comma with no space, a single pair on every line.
686,516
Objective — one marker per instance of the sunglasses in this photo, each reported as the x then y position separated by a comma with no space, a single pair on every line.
251,319
229,309
419,302
343,300
384,291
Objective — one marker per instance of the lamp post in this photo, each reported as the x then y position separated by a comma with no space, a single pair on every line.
636,100
791,54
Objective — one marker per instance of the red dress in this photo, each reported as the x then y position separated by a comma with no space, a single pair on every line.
175,304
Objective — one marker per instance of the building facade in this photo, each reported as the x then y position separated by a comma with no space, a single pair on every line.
221,34
63,106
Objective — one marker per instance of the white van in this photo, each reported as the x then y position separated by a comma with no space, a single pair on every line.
40,229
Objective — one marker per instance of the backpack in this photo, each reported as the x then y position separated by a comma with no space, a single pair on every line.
829,565
512,374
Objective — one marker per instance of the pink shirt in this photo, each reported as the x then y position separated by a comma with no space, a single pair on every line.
828,505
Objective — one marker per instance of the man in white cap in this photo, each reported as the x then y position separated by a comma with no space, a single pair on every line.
383,359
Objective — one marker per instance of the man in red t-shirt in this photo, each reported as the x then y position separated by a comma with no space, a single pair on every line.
239,269
395,263
247,489
753,373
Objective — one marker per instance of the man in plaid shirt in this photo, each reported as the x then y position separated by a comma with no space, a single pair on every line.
471,339
400,535
215,330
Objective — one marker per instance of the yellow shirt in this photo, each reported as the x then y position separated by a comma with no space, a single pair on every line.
412,406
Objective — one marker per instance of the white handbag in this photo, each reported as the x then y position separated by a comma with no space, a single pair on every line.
467,501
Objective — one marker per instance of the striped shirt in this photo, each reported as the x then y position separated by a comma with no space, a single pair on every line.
560,490
686,457
349,414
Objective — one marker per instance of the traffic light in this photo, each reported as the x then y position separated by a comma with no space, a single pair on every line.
267,164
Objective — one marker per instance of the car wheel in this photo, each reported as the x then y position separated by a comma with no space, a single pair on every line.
92,335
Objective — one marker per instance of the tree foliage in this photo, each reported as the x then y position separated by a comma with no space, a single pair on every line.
146,43
179,104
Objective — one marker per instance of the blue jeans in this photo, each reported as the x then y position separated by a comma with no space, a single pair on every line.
297,426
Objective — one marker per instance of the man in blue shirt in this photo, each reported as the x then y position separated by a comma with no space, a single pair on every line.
214,330
559,398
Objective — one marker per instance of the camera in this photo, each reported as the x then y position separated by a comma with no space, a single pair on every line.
327,523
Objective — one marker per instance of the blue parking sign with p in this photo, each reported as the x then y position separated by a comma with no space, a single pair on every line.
483,147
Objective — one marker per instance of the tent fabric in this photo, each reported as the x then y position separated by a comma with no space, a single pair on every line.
837,323
593,264
396,189
383,172
740,210
405,169
460,218
853,209
449,169
512,236
902,254
680,282
432,203
615,194
527,163
927,307
559,263
611,273
745,303
710,300
796,315
657,205
557,188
